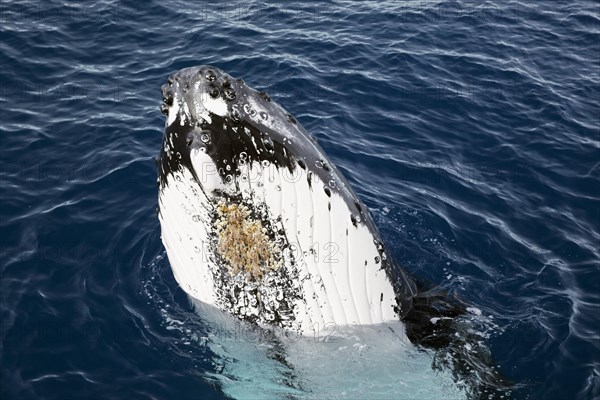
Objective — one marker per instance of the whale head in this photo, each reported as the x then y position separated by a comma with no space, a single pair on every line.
214,113
257,221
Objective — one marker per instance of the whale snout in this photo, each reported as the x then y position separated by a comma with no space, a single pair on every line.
197,92
211,112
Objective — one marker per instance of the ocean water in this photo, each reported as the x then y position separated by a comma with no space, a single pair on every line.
470,129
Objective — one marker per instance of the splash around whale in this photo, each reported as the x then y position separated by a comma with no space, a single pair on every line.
259,223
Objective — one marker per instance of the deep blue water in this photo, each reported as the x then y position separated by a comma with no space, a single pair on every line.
471,130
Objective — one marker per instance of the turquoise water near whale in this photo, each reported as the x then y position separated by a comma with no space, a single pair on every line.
470,129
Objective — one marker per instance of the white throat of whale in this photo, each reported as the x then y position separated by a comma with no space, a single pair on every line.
257,222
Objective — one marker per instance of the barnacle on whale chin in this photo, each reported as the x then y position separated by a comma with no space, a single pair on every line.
243,242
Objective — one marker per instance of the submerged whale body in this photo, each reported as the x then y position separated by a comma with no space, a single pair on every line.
257,222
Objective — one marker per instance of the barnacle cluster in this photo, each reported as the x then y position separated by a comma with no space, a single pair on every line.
243,242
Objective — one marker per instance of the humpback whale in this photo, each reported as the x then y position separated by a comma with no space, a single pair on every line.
268,228
258,222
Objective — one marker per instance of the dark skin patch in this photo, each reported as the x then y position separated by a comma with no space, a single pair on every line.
358,206
224,146
265,96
